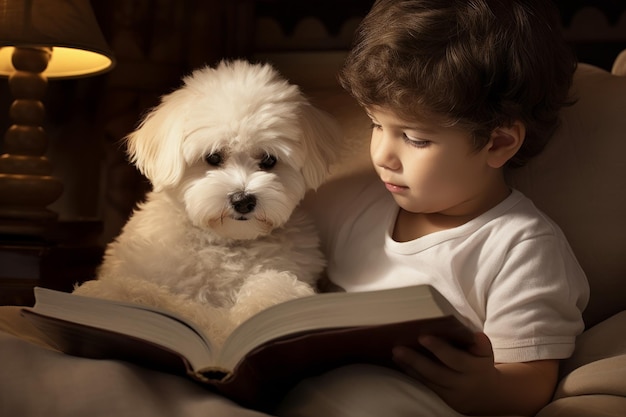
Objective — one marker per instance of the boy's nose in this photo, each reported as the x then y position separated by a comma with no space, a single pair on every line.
383,152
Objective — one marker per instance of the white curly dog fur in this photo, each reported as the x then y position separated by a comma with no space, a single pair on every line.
220,237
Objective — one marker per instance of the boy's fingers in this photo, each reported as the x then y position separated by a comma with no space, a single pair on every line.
450,356
421,367
459,360
482,346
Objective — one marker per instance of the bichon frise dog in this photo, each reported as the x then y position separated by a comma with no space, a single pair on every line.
220,237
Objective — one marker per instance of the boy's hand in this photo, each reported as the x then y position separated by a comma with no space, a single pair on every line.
471,383
461,378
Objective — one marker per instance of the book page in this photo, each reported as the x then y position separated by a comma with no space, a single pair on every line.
335,311
154,325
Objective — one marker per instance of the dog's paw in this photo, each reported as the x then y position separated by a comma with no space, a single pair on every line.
131,290
94,288
267,289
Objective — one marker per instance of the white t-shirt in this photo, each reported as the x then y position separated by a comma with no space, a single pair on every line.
510,271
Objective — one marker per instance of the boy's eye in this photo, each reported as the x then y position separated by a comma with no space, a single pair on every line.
268,162
418,143
214,159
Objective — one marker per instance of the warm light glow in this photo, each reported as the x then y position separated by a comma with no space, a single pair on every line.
64,62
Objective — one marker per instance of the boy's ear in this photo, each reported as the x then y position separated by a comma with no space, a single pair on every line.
504,143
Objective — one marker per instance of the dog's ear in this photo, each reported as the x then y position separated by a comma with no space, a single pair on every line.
155,147
322,137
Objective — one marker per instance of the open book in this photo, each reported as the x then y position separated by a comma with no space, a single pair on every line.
265,355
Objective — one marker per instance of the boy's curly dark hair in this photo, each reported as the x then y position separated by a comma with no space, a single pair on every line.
477,64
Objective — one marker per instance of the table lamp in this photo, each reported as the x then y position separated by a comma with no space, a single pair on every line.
39,39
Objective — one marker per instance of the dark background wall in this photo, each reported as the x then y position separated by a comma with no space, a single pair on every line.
158,41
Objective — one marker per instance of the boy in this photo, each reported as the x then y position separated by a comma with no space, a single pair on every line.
457,91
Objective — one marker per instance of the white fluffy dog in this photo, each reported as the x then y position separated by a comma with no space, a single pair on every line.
230,155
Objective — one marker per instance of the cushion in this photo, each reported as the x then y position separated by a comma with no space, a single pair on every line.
580,181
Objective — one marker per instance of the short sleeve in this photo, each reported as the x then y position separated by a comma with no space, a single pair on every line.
535,303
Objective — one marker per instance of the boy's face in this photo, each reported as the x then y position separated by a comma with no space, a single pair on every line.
432,169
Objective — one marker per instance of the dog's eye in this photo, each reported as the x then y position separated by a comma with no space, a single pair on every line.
214,159
267,162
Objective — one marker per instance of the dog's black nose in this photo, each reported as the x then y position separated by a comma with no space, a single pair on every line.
242,202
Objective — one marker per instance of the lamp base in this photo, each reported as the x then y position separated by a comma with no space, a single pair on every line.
27,186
